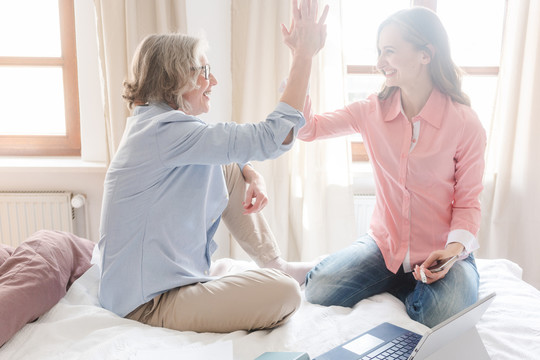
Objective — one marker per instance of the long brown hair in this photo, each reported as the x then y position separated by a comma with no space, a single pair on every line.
422,27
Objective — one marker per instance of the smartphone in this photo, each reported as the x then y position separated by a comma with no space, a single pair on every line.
442,264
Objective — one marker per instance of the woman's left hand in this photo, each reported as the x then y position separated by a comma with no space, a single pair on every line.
256,197
429,277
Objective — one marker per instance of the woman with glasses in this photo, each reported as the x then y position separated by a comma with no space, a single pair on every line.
426,146
174,177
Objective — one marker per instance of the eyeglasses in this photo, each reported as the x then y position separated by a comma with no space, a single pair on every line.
206,69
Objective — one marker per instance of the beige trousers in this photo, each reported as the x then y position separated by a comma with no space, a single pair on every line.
251,300
251,231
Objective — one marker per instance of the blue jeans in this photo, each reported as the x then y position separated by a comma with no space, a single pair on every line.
359,271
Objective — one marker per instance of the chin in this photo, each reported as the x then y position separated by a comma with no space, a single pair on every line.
201,110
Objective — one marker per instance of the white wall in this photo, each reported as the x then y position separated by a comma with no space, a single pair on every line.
86,175
55,175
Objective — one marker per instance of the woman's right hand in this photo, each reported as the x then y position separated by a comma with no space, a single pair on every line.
451,249
306,36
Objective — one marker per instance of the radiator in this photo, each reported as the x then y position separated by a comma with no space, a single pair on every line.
23,213
363,209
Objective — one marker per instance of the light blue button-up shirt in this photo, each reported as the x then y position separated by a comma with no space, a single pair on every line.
164,194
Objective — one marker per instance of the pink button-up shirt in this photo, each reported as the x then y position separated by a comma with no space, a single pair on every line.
428,181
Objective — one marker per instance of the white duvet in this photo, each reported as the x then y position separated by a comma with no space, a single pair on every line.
77,328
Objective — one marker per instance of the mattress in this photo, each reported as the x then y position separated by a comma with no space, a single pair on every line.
78,328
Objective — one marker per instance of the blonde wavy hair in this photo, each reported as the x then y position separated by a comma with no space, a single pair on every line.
422,27
162,70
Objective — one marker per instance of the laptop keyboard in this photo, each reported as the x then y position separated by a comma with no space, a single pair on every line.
399,348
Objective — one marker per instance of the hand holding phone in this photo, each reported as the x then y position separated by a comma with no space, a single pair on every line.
442,264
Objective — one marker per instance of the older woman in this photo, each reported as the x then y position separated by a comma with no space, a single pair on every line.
166,191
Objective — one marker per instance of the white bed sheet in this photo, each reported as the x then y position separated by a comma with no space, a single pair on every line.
77,328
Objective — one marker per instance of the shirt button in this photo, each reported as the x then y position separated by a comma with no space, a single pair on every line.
206,272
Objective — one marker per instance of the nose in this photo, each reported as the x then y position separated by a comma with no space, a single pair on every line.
380,62
213,80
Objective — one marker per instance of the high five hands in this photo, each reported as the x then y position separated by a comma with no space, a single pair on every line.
306,36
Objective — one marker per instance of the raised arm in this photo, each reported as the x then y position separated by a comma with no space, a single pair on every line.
305,37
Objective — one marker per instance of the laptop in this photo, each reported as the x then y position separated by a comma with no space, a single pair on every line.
454,338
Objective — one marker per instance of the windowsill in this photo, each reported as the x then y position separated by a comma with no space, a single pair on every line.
52,164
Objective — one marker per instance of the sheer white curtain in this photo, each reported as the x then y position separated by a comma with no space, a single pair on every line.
311,204
121,25
511,199
321,189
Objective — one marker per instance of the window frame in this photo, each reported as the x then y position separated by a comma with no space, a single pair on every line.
53,145
358,150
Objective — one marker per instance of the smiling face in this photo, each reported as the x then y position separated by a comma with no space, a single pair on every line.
199,98
402,64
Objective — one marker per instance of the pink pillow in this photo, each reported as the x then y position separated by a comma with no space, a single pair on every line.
37,274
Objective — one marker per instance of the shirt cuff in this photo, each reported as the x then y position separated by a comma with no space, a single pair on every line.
287,109
465,238
242,165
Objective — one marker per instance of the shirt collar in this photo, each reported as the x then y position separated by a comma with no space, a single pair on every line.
394,109
432,112
158,107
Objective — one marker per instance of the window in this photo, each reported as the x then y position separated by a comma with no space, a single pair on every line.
475,41
38,93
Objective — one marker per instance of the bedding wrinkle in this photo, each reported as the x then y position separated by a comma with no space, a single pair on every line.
5,252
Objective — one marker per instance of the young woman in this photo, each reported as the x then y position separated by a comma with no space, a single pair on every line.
166,191
426,146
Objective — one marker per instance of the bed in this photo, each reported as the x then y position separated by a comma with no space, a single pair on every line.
78,328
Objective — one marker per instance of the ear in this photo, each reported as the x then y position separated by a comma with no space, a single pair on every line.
428,54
